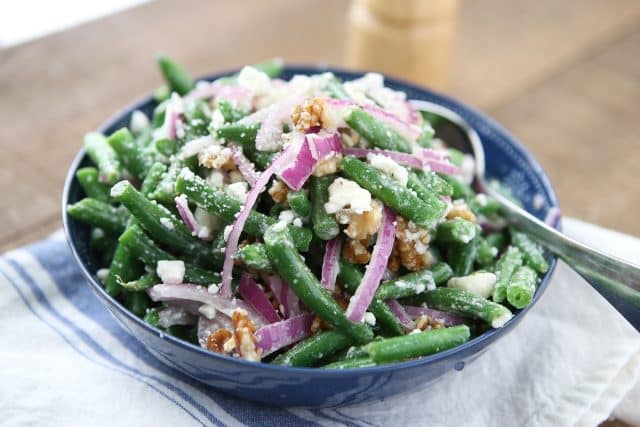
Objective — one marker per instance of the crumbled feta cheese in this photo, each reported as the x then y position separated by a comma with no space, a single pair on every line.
415,331
389,167
171,272
297,222
235,176
166,222
481,198
369,318
280,225
501,320
344,194
254,80
207,310
287,216
215,179
238,190
213,288
467,168
217,120
139,121
479,283
194,147
102,274
208,223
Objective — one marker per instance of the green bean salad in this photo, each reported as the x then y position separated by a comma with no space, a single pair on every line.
309,222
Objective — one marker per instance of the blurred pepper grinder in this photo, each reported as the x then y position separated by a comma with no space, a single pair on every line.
410,39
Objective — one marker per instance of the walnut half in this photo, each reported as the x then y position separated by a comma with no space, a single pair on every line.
410,248
244,335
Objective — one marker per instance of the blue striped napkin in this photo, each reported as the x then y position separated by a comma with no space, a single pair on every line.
65,361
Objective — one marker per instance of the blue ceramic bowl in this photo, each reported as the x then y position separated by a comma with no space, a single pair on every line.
507,161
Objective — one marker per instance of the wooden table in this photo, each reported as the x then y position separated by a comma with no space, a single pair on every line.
563,76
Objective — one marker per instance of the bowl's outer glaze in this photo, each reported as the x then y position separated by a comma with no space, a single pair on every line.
507,161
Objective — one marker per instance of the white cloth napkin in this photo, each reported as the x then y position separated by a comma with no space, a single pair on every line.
65,362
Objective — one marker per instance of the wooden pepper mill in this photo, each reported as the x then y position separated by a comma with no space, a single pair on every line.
410,39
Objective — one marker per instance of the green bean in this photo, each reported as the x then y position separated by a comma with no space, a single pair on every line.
427,195
530,250
313,349
176,77
299,203
486,253
401,199
456,230
130,153
484,205
335,89
496,239
229,112
165,190
137,302
462,256
325,226
161,224
441,272
93,188
433,182
157,118
152,179
426,136
142,283
162,93
99,214
100,241
461,190
455,156
226,207
522,286
417,345
254,256
103,156
504,269
406,285
243,134
467,304
124,267
167,147
293,269
363,362
142,247
351,277
152,317
263,159
376,132
271,67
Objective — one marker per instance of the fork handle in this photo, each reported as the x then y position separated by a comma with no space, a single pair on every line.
616,280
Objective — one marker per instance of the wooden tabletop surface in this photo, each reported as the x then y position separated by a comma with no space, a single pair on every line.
563,76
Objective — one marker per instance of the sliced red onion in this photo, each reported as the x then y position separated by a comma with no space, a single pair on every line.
314,148
173,315
207,326
401,158
190,292
413,116
447,318
238,224
187,216
245,166
447,199
188,306
256,298
331,263
444,167
360,301
430,154
401,314
288,300
275,336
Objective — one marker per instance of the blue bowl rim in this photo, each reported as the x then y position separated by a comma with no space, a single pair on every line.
490,335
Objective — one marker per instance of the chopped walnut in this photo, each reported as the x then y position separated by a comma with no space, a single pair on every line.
216,157
217,340
350,138
328,165
308,115
461,210
318,325
425,322
278,191
244,335
356,252
410,247
364,225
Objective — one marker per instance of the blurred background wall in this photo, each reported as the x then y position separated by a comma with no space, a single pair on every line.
563,76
